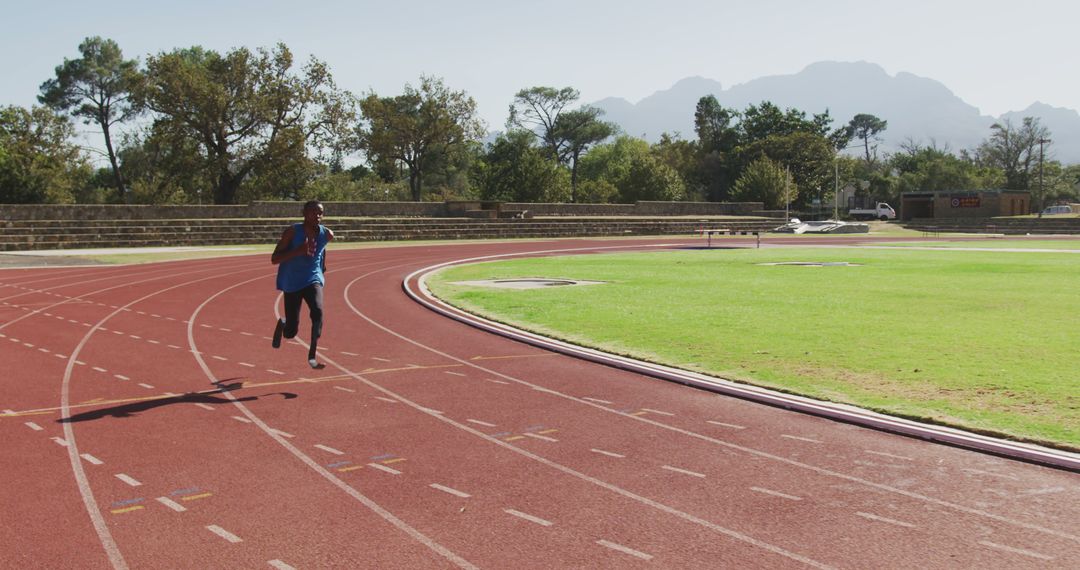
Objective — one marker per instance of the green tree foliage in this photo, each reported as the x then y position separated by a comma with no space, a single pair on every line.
637,174
165,167
930,169
418,127
537,110
515,170
249,112
718,136
767,120
866,128
579,130
96,88
1015,150
682,156
807,156
765,181
38,164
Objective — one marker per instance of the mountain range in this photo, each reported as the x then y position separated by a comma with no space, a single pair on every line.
917,109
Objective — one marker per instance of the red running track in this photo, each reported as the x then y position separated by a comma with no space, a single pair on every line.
147,423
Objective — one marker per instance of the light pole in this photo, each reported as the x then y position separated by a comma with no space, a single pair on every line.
1042,189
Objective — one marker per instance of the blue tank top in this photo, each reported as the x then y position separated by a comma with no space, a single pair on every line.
302,270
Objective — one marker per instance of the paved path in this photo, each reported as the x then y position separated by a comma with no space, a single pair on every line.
147,423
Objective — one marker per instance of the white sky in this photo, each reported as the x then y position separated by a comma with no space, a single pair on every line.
996,55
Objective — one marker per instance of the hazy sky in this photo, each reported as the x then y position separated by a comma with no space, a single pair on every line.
996,55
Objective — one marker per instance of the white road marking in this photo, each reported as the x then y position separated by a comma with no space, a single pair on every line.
246,364
328,449
34,426
1013,550
282,433
99,369
598,401
624,550
344,389
121,377
128,479
380,359
480,423
156,316
1045,491
386,399
651,411
241,419
454,492
91,459
60,441
135,336
8,412
540,437
172,504
608,453
205,326
58,355
147,386
528,517
795,437
152,341
349,353
874,517
45,350
245,333
775,493
382,467
205,406
279,565
493,381
683,471
222,532
883,454
221,358
453,373
988,473
722,424
173,346
226,330
275,372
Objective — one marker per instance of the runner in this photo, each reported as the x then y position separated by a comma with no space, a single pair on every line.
300,256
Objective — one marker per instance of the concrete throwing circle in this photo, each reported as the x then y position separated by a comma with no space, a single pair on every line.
527,283
815,263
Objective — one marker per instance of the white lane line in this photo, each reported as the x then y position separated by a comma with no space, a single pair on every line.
45,350
990,474
152,341
8,412
480,423
241,419
883,454
245,333
225,330
683,471
147,386
386,399
651,411
155,315
58,355
528,517
608,453
279,565
91,459
349,353
624,549
446,489
874,517
121,377
278,372
1013,550
282,433
493,381
205,406
173,346
60,441
795,437
453,373
135,336
223,533
221,358
598,401
722,424
382,467
205,326
328,449
1043,491
344,389
172,504
34,426
380,359
540,437
775,493
248,364
99,369
128,479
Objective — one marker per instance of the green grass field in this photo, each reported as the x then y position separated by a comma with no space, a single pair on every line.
986,341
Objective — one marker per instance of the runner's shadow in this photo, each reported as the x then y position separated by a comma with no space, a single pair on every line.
130,409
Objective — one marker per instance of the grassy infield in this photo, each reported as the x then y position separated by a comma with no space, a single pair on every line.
982,340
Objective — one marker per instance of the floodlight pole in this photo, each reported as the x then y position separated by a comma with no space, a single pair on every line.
1042,189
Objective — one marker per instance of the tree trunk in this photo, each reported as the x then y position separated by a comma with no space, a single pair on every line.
117,178
415,177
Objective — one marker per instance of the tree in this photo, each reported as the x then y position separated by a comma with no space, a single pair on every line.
537,110
718,136
629,165
866,127
96,88
248,112
765,181
514,170
416,127
1015,150
807,158
37,163
578,130
767,120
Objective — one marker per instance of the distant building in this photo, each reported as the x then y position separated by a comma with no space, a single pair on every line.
964,204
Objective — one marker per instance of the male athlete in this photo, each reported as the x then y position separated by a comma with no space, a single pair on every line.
300,256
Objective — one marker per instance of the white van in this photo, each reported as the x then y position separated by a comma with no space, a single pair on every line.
1051,210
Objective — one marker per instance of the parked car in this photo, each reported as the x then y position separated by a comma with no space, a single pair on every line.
1051,210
